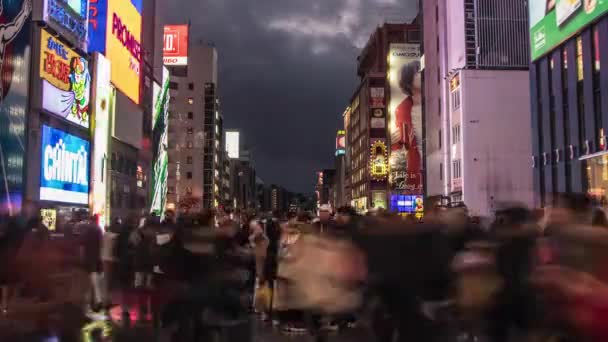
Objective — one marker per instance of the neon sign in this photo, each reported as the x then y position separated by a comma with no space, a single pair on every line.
61,13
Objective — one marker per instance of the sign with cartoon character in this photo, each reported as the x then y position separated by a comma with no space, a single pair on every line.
15,52
66,81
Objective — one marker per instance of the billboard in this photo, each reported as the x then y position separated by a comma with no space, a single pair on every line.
69,18
14,93
341,143
101,137
405,119
554,21
160,132
233,144
115,31
66,82
175,47
407,204
64,167
378,160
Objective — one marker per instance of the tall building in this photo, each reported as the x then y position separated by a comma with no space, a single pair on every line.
194,131
569,96
365,120
243,181
476,95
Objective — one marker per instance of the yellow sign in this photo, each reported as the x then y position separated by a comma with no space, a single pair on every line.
49,218
379,160
123,47
56,60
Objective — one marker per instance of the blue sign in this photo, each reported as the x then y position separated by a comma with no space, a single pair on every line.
138,4
407,203
98,22
69,17
64,167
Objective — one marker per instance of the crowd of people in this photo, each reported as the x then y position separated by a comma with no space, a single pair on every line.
525,276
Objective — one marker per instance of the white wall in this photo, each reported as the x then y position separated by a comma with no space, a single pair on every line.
496,135
455,34
128,126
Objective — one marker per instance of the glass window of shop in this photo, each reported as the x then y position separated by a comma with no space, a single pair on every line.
597,176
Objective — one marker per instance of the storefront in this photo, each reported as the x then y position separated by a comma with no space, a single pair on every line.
597,177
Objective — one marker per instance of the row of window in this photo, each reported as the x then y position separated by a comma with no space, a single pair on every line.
175,86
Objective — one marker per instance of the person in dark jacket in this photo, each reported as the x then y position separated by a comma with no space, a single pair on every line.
91,240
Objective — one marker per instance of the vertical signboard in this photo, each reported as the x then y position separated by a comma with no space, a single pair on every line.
14,86
341,143
98,17
405,121
233,144
175,47
66,82
101,137
160,125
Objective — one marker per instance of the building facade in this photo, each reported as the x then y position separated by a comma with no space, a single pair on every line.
193,122
569,97
366,120
475,84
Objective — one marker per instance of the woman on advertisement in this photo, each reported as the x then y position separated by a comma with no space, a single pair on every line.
407,133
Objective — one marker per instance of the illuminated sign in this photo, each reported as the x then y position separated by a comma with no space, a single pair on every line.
160,132
379,200
175,47
98,17
405,119
123,47
379,160
69,18
378,118
551,22
101,135
66,84
64,167
410,204
233,144
341,143
48,218
455,82
376,97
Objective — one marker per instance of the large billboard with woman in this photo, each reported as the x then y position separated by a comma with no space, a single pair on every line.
405,119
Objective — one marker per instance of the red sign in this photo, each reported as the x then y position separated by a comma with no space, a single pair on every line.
175,48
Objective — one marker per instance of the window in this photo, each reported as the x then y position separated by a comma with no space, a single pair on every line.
439,106
437,43
188,190
190,116
440,171
171,99
596,49
190,86
439,136
456,134
189,145
189,175
438,75
190,130
579,58
189,160
170,189
190,100
173,85
455,99
437,13
456,168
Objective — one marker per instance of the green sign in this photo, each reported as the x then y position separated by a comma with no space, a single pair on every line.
160,124
554,21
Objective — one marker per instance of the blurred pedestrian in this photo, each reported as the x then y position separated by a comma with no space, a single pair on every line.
91,242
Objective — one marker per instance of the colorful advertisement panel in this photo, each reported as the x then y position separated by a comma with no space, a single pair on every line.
405,120
101,135
160,127
407,204
378,160
175,47
554,21
123,46
64,167
14,92
69,18
66,81
341,143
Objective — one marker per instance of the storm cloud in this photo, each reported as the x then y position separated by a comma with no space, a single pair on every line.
287,69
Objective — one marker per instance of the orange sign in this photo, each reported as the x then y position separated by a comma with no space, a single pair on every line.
175,47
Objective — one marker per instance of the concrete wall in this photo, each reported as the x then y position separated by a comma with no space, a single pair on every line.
496,138
455,33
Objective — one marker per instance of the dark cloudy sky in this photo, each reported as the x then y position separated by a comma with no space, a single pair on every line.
287,71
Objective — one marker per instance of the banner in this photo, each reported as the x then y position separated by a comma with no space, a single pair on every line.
160,126
14,95
64,167
405,121
69,18
175,47
101,135
66,85
552,22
